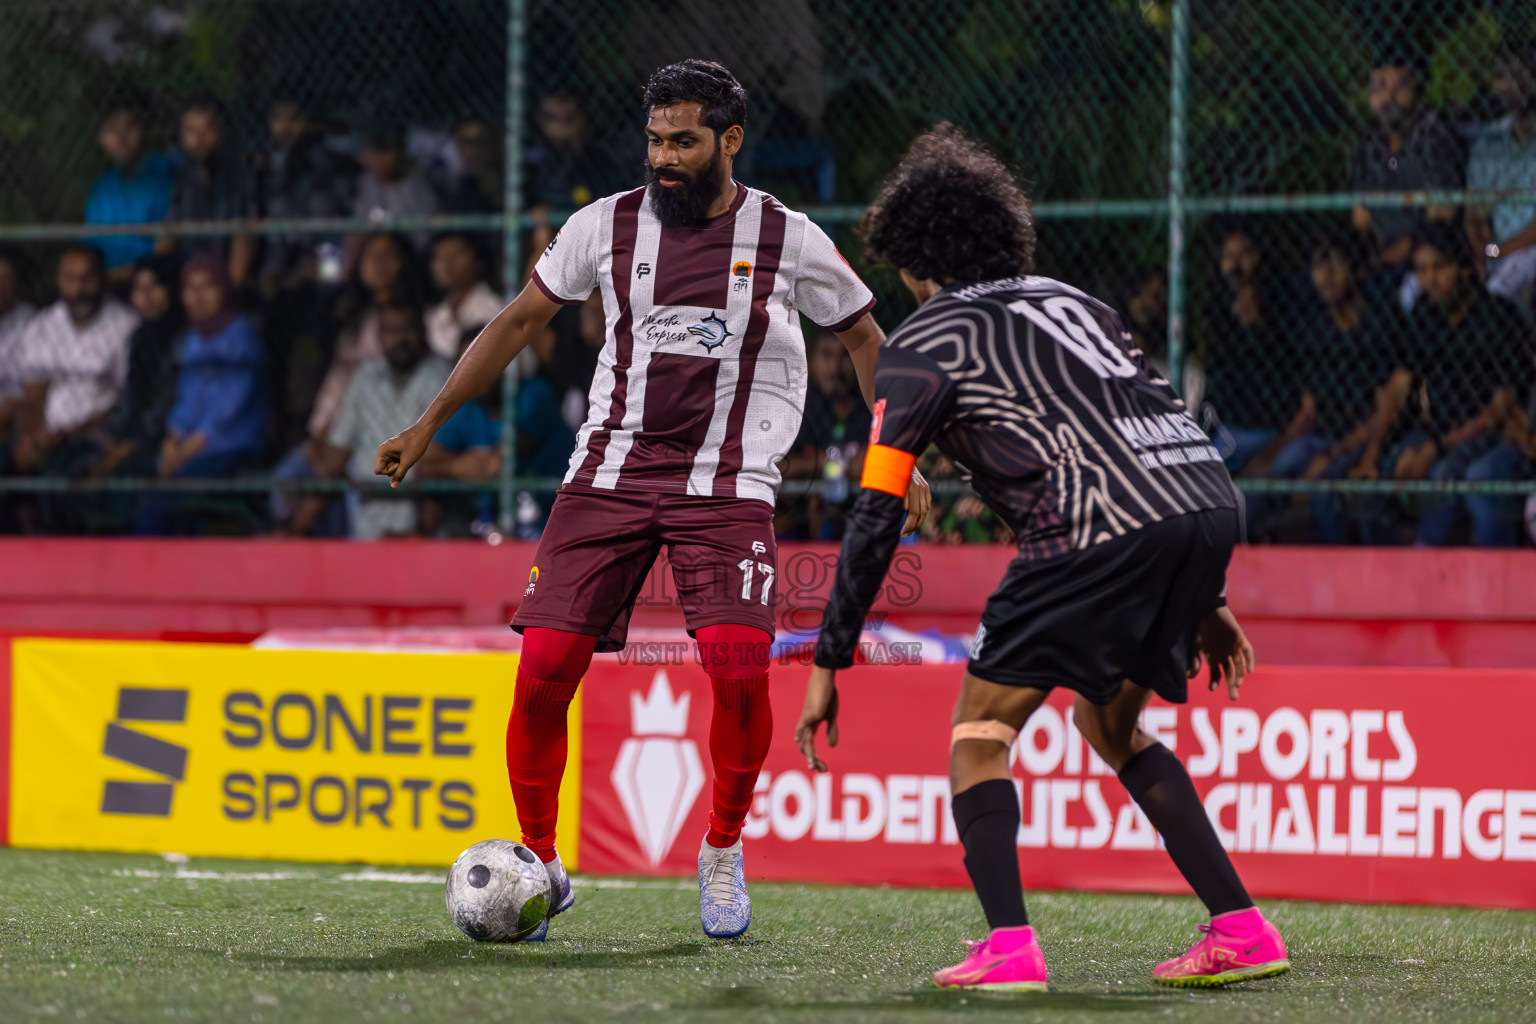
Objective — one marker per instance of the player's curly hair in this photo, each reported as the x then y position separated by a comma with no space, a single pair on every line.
950,211
703,82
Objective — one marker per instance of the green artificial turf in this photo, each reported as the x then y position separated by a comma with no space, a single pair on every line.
134,938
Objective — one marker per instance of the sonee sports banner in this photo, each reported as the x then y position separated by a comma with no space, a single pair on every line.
1391,785
218,750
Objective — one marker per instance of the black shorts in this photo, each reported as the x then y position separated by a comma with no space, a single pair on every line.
1123,609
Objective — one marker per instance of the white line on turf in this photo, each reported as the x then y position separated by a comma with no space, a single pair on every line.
391,876
370,875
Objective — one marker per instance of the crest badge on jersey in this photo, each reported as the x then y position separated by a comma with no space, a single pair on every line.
742,272
876,421
711,332
533,577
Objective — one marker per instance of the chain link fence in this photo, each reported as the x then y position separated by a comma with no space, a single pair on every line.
1296,207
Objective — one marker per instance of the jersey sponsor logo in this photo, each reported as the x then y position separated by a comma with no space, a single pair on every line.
711,332
658,774
551,246
875,423
642,269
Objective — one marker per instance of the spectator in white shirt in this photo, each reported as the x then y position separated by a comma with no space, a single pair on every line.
74,359
458,269
14,314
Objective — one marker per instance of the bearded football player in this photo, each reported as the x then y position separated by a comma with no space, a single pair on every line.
697,396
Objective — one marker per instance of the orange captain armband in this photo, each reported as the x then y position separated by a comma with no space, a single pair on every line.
888,469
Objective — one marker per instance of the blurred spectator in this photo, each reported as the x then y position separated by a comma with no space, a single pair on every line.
217,425
391,186
1251,397
1505,159
1409,149
567,166
74,358
384,397
385,274
1476,363
385,271
211,184
1141,297
14,314
833,432
584,333
471,181
458,269
136,189
137,424
1348,355
467,446
300,177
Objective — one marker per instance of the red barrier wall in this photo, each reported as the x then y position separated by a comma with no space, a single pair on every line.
1367,785
1339,606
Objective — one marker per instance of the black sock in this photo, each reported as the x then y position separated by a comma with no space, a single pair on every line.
1157,781
987,817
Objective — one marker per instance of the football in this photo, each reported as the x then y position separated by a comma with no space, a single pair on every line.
498,891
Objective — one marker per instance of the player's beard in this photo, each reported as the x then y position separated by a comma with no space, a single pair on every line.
685,205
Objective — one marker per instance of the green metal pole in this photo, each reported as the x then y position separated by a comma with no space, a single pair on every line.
512,244
1178,96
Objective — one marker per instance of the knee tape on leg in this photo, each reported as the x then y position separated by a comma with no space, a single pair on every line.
989,730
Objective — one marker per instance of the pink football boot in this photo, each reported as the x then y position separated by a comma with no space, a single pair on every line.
1239,946
1008,960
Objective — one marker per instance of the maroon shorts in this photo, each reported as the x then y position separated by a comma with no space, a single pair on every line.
598,548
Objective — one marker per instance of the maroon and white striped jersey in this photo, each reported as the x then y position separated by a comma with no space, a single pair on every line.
701,382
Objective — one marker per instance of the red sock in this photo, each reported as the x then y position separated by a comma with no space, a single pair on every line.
736,658
548,673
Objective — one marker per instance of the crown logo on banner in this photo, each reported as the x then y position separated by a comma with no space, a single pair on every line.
658,713
659,773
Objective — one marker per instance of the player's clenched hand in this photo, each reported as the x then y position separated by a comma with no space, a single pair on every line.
919,501
1225,648
400,453
820,706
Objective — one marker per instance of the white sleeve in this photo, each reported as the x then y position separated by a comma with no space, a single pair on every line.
567,271
826,288
33,351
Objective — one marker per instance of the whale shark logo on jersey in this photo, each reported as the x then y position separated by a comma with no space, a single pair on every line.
711,332
658,775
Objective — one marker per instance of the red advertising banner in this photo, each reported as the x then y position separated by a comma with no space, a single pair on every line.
1383,785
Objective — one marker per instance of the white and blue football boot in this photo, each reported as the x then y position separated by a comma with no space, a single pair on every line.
561,897
725,909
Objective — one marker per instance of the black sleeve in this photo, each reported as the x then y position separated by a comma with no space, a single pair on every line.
913,397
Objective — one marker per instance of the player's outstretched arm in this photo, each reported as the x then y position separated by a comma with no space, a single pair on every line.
480,367
869,542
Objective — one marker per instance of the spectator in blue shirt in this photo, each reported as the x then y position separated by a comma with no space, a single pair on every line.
218,423
136,189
